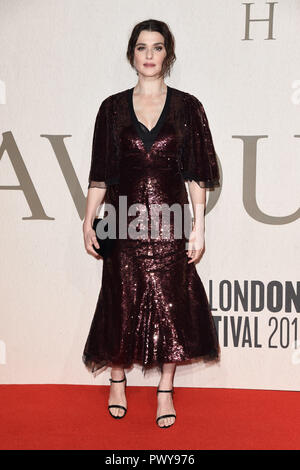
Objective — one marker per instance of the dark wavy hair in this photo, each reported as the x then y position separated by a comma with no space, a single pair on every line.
164,30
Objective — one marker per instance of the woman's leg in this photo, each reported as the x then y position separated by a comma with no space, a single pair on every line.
117,394
164,400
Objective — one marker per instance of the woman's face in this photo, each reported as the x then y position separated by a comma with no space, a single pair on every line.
149,49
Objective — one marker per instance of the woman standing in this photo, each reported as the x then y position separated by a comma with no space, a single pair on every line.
152,308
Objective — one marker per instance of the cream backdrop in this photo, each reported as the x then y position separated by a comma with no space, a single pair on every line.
59,60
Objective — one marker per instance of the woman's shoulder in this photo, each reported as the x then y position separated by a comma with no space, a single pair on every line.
186,97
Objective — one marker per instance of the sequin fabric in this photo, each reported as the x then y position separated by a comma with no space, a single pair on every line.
152,307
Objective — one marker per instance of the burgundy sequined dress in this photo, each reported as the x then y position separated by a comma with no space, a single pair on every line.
152,307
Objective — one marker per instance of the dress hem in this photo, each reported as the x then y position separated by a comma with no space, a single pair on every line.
96,366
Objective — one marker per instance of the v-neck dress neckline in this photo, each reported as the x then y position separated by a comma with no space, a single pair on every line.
147,136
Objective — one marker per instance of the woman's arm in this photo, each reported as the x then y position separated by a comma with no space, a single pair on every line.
97,176
196,241
95,198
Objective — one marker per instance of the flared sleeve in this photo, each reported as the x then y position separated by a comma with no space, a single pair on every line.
198,158
99,149
104,159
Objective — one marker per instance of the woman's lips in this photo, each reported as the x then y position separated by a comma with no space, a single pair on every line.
149,65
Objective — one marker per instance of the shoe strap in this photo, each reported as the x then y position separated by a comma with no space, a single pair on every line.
118,380
172,391
166,416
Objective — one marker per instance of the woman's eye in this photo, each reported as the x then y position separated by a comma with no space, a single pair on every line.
158,48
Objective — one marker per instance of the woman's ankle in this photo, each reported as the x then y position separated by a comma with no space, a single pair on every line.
166,382
165,386
167,376
117,373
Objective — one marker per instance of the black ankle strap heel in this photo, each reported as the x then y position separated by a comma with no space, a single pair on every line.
165,416
118,406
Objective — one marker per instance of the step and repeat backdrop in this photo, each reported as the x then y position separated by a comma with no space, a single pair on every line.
59,60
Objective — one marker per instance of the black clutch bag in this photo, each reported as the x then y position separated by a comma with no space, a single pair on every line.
106,244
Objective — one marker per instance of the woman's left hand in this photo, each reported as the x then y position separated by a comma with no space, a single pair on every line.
195,246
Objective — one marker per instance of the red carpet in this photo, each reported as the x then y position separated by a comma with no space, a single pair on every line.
76,417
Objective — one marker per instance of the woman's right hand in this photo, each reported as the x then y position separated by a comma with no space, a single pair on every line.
90,239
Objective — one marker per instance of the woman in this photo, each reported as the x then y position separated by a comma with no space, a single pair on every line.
152,307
